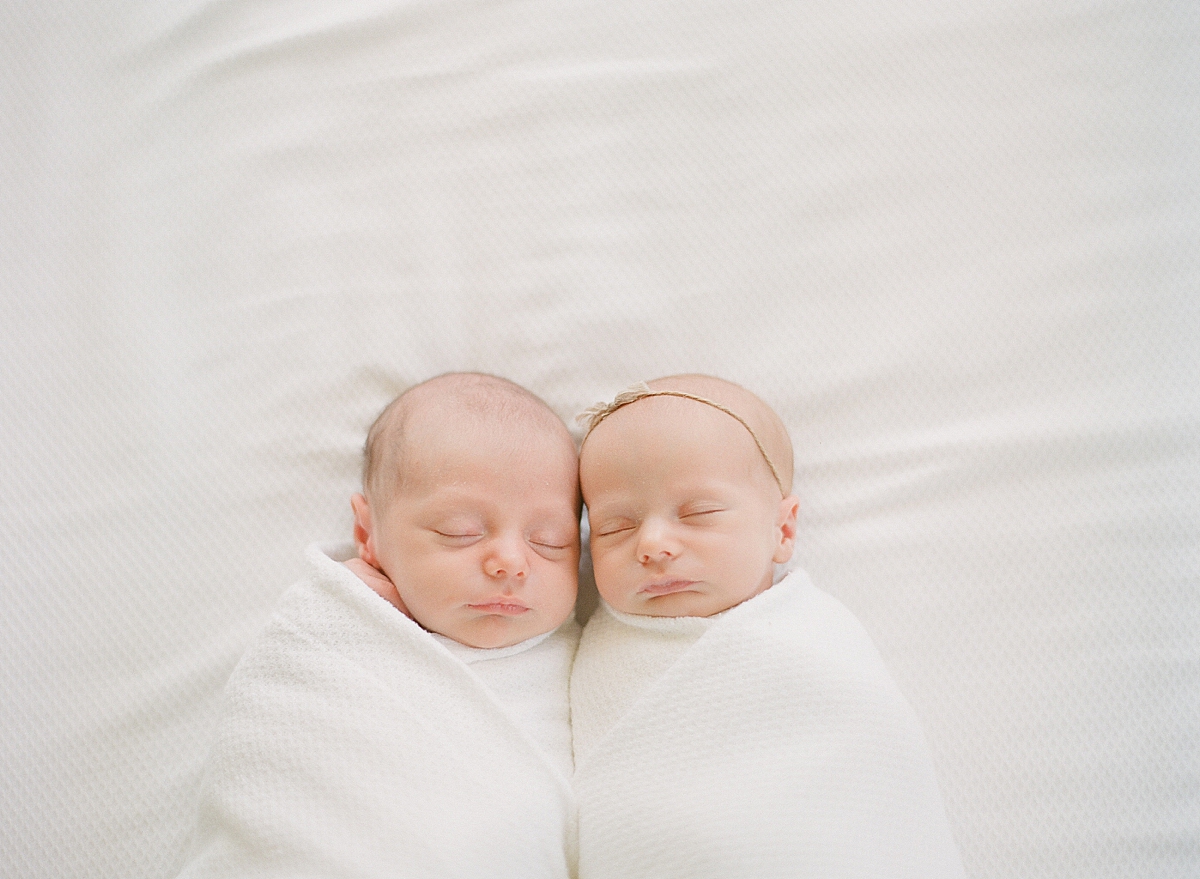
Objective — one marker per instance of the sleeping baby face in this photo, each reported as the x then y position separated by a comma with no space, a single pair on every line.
478,526
686,517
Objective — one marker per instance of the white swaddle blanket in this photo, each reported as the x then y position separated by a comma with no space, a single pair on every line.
355,744
769,741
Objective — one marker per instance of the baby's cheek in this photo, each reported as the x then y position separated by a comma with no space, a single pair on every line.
608,577
601,561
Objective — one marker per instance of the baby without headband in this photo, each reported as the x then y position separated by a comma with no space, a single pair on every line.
593,415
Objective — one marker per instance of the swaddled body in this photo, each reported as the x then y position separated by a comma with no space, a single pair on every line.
768,741
412,720
353,743
726,724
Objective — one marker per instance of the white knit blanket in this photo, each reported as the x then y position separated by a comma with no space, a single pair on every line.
354,744
773,743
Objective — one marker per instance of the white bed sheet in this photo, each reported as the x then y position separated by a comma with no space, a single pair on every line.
958,249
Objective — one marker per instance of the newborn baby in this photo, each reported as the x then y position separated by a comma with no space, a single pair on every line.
728,722
469,514
359,742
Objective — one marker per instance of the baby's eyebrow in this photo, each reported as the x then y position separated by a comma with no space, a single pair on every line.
612,515
556,517
555,528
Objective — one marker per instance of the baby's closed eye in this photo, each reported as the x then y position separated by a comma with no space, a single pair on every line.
457,533
609,527
550,542
699,511
552,547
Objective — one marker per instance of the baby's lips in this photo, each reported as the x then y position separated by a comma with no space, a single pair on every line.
667,587
502,606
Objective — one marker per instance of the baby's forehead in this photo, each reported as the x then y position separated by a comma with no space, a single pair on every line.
483,498
697,439
453,447
705,407
672,446
671,422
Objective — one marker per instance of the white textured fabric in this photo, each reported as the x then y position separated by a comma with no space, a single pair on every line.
776,745
353,744
600,695
956,246
527,680
602,692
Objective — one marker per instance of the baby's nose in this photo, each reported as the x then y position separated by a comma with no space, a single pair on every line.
507,559
655,542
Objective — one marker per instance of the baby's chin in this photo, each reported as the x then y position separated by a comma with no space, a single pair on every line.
493,632
680,604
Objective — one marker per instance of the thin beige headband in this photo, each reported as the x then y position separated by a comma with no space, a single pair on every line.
593,415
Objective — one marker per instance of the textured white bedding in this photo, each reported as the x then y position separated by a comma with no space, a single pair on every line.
957,248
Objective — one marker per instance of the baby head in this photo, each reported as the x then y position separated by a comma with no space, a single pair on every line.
470,506
687,483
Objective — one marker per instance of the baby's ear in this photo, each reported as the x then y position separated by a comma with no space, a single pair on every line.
362,529
785,525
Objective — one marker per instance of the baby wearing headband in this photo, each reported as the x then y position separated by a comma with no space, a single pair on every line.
688,485
728,721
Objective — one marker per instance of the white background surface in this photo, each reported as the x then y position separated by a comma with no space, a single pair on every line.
957,248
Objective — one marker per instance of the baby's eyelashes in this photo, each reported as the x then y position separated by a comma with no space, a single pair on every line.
551,553
554,539
697,514
608,529
458,537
